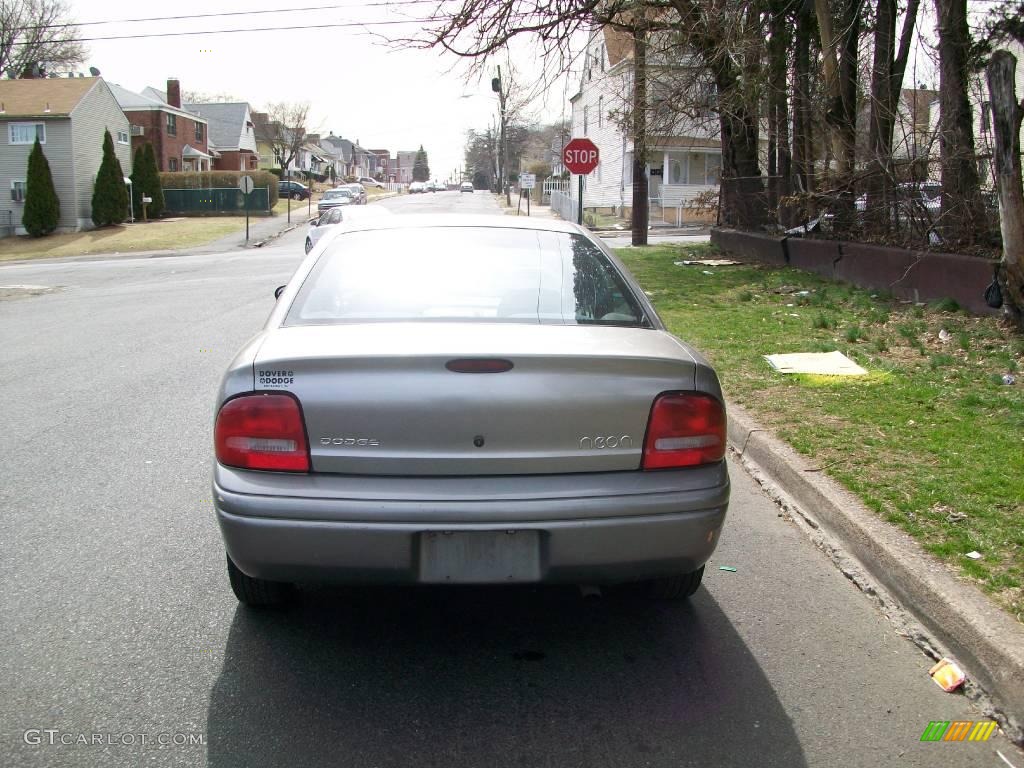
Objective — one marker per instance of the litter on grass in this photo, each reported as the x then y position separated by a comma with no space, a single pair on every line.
706,263
975,555
947,675
728,568
1008,379
822,363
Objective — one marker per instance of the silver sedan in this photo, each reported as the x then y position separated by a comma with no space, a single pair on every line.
467,400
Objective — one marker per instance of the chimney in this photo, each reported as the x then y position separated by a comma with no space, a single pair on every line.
174,92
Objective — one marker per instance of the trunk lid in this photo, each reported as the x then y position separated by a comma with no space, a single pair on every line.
377,398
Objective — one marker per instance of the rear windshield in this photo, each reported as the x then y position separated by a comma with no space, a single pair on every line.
465,273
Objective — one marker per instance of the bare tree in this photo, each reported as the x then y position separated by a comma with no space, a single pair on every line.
1006,119
285,129
887,72
201,97
962,213
36,38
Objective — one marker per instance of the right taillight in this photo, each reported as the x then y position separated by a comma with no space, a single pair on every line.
262,431
684,430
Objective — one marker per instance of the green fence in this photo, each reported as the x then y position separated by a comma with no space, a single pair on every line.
218,200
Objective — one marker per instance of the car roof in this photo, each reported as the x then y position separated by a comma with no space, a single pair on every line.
418,221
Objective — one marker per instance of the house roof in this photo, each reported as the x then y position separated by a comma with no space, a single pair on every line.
226,121
342,146
619,45
131,101
49,97
189,151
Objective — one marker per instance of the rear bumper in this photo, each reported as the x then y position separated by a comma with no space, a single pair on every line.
624,534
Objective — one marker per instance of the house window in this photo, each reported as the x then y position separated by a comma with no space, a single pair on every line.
26,133
123,137
627,169
601,54
695,173
986,115
199,131
172,124
18,191
714,168
676,171
600,111
586,120
172,163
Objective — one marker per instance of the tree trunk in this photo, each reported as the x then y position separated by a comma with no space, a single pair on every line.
886,85
803,140
962,215
779,158
641,202
1006,119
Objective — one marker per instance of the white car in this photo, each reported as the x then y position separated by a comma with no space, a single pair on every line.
366,181
327,222
417,186
467,186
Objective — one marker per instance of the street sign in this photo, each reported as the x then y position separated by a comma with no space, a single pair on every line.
527,180
246,185
580,156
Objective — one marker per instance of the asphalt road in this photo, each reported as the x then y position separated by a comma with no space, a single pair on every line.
118,620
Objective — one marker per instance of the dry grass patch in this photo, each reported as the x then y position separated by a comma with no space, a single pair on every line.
165,234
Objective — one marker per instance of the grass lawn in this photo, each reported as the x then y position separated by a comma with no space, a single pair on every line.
166,234
931,439
300,209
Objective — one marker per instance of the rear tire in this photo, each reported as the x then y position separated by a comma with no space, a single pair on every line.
296,196
678,586
309,245
256,592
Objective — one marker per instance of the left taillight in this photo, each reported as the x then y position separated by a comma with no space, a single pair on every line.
262,431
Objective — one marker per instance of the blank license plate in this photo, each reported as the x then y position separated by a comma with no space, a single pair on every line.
479,557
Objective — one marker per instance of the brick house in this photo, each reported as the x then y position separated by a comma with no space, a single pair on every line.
232,135
180,139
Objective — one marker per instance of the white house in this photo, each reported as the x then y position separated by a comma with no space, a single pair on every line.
683,163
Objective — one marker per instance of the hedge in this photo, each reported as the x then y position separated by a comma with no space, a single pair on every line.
215,179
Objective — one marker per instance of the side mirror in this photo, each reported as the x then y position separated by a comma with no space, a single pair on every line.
278,291
314,221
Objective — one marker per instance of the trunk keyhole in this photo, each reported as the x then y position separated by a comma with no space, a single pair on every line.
478,441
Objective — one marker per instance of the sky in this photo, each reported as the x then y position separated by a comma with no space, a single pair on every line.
357,85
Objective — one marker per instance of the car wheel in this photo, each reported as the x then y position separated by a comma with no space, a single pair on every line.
256,592
309,245
296,196
678,586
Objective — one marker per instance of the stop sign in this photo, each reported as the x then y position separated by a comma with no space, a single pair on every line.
580,156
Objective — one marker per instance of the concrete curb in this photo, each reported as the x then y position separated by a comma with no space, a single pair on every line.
988,643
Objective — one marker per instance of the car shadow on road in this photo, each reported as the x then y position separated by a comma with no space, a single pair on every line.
492,677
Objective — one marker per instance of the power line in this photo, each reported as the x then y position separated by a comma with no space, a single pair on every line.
306,9
245,29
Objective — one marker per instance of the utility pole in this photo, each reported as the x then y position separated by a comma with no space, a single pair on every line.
498,88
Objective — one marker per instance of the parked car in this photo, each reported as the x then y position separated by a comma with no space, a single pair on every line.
366,181
328,220
293,189
467,186
417,186
467,400
358,192
335,197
